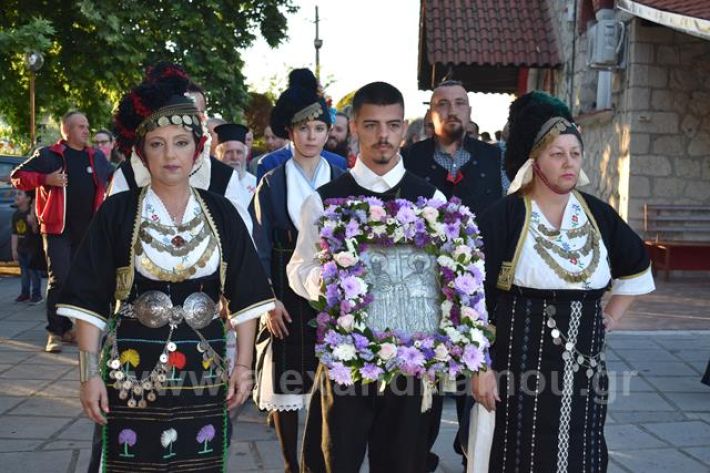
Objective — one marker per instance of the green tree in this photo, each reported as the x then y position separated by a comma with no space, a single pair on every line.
95,50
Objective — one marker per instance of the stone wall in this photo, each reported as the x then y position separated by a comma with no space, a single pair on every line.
653,145
670,146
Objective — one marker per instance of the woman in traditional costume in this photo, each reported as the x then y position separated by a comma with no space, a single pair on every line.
551,253
170,259
286,360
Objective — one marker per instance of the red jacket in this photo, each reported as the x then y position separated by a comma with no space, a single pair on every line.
50,201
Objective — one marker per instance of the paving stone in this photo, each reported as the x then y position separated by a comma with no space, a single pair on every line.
670,384
700,453
659,460
651,401
67,445
37,461
25,427
19,445
684,343
634,417
28,371
699,367
57,407
663,368
21,387
692,402
12,328
8,402
623,437
625,342
241,457
80,429
623,383
692,355
681,434
60,389
656,354
53,359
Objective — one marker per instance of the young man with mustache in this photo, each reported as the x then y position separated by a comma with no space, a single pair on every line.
345,421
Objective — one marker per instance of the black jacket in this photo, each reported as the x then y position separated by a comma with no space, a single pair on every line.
480,184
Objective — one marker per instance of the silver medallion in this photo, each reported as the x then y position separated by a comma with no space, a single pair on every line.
199,310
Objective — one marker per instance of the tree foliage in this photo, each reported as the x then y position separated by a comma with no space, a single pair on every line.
95,50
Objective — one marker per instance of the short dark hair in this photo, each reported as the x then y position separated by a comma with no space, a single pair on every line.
450,83
105,132
377,93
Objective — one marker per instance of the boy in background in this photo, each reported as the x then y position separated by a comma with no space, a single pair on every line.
24,240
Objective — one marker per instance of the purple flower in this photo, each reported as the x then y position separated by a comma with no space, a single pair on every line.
406,215
206,433
339,373
332,338
352,287
410,357
452,230
327,233
370,372
419,225
352,229
361,342
330,270
332,295
473,357
344,307
466,284
373,201
127,437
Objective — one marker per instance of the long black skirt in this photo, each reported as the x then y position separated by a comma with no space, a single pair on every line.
552,382
184,429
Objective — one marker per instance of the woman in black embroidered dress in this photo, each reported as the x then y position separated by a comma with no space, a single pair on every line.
171,259
551,253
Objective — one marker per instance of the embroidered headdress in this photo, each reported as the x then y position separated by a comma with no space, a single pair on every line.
303,101
158,101
535,120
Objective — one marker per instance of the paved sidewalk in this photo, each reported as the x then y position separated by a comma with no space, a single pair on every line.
659,417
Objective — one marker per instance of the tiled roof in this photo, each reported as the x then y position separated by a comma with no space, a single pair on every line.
694,8
488,32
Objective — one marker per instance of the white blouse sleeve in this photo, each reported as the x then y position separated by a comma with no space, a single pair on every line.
635,285
304,271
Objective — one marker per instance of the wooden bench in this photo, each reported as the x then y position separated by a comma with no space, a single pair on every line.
678,237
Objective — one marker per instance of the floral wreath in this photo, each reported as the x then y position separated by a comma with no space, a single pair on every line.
346,345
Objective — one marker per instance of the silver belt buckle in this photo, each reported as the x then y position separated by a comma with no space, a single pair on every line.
198,310
153,309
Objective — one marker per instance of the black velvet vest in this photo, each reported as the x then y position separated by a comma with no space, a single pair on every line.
410,187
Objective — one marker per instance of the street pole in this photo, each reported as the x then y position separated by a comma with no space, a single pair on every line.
317,43
32,109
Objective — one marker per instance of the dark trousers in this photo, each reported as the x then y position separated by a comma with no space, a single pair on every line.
60,251
344,422
30,279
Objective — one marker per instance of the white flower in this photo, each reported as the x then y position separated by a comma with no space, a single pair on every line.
347,322
391,221
345,259
344,352
441,353
446,262
430,214
379,229
453,334
398,234
387,351
478,337
462,250
446,307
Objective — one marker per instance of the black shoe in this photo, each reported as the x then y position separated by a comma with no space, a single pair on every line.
432,461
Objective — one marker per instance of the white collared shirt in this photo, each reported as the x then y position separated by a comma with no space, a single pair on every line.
304,270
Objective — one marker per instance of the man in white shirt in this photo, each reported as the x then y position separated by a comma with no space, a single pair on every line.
232,150
345,421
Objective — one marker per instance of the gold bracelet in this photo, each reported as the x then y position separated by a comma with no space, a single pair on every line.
88,365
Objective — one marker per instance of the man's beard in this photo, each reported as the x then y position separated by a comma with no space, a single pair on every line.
338,147
454,134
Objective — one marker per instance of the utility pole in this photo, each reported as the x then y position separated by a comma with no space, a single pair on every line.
318,43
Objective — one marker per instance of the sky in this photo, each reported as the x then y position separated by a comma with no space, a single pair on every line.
363,41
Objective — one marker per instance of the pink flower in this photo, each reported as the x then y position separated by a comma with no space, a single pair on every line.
470,313
345,259
377,213
346,322
387,351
